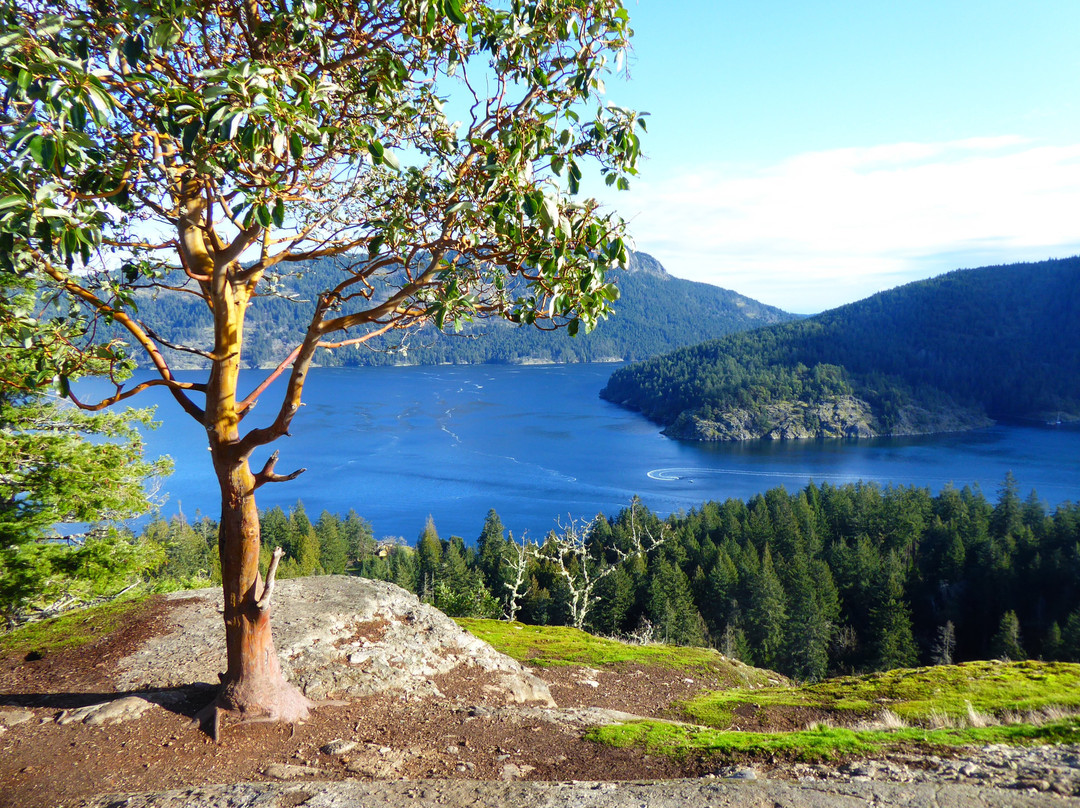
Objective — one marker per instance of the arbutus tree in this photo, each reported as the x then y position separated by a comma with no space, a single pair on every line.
208,149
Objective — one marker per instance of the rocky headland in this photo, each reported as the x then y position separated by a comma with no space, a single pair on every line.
836,417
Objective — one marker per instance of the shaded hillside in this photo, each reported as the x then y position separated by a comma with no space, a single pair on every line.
929,356
655,313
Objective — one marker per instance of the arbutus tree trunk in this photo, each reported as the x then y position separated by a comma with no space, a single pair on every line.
253,684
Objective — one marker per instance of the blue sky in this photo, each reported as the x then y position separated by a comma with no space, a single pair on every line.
810,153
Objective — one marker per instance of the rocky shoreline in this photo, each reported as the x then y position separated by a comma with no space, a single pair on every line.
837,417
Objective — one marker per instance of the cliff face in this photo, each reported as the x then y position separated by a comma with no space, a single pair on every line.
837,417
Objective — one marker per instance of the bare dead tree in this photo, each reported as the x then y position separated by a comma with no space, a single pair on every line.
582,571
523,553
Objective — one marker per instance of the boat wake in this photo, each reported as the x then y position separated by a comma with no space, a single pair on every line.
690,474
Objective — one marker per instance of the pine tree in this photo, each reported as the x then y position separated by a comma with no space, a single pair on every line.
359,538
890,621
766,615
1053,643
429,550
944,644
491,550
671,606
1006,641
333,549
808,630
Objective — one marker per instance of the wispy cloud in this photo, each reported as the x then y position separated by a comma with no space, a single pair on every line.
825,228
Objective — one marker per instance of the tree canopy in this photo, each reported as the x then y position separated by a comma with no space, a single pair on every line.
432,149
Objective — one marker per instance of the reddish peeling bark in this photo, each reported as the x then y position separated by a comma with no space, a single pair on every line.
253,686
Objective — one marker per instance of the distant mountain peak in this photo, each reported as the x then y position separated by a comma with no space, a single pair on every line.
643,262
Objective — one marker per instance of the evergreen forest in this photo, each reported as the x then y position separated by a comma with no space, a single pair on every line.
1000,339
825,580
655,313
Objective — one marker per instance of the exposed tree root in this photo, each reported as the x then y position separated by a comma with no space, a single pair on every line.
293,710
213,712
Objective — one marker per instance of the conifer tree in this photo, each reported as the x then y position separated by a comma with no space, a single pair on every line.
1006,643
671,606
491,548
890,620
333,549
429,551
766,614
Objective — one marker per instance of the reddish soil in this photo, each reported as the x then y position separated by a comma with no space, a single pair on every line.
44,764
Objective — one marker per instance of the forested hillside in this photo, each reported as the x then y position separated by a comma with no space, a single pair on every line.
828,579
928,356
655,313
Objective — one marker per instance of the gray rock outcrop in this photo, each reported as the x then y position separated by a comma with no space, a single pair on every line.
836,417
670,794
336,636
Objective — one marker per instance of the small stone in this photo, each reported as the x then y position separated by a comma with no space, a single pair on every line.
109,712
514,771
12,718
361,767
742,774
451,750
969,770
1061,787
288,771
338,746
1038,785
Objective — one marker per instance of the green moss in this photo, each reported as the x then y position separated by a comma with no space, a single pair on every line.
914,694
824,743
920,696
550,646
70,630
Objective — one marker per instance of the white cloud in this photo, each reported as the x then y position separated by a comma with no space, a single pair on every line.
825,228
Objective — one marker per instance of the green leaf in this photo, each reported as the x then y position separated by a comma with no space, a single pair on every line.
133,48
549,211
12,201
452,9
278,214
191,131
262,213
296,146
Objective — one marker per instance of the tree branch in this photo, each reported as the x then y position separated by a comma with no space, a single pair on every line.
263,603
267,475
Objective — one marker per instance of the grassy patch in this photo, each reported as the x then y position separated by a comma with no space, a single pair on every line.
824,743
70,630
550,646
921,695
950,705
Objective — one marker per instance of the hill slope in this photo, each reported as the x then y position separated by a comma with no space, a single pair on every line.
930,356
655,313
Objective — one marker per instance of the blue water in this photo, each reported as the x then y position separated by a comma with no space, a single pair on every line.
537,444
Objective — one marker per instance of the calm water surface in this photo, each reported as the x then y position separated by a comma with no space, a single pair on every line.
536,443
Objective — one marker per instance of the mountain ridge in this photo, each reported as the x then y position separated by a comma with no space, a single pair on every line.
943,354
656,312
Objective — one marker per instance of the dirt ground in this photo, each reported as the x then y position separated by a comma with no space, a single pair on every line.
45,764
